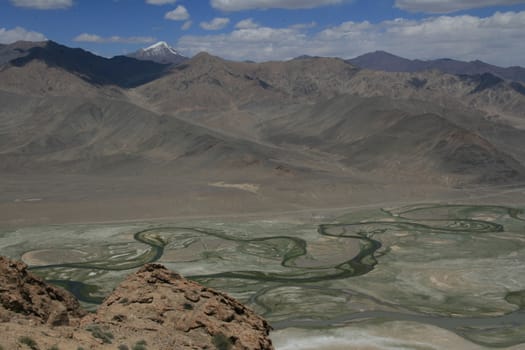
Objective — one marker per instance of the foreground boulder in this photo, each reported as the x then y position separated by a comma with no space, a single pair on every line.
152,309
181,313
24,295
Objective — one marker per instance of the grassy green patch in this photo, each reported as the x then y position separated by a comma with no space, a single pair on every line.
29,342
222,342
516,298
105,335
140,345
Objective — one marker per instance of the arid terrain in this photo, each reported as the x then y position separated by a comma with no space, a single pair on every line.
349,207
80,145
154,308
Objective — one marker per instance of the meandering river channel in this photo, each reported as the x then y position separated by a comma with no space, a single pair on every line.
342,270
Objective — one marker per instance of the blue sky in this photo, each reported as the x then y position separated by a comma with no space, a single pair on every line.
490,30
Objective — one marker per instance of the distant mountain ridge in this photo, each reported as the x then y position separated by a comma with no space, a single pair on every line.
16,50
122,71
274,119
160,52
384,61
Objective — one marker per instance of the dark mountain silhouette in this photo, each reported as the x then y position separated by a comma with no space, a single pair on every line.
384,61
16,50
120,70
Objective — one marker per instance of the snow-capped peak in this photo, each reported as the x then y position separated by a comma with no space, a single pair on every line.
159,44
159,52
160,47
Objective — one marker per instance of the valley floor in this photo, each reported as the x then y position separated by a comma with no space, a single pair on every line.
383,275
59,199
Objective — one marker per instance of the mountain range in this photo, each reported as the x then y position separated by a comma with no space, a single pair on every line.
384,61
284,134
121,71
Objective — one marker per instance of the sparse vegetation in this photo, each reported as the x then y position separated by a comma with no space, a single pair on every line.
105,335
123,347
119,318
140,345
29,342
188,306
54,347
222,342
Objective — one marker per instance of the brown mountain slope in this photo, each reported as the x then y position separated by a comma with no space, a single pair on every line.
499,99
211,82
429,144
208,82
233,137
38,79
239,97
99,135
397,137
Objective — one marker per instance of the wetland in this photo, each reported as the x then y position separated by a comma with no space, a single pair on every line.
418,276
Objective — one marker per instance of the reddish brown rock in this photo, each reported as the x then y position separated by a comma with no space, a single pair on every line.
181,313
153,306
24,294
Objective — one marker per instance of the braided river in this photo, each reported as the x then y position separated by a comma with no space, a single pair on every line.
426,276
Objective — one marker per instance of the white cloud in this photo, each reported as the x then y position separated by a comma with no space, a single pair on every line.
8,36
496,39
93,38
246,24
160,2
179,14
239,5
186,25
260,44
215,24
43,4
304,25
447,6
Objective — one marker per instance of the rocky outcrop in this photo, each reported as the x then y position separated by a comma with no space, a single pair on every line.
181,313
24,295
152,309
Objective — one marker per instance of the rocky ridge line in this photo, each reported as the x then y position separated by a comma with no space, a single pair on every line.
152,309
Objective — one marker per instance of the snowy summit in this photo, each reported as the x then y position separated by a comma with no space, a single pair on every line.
160,52
160,48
